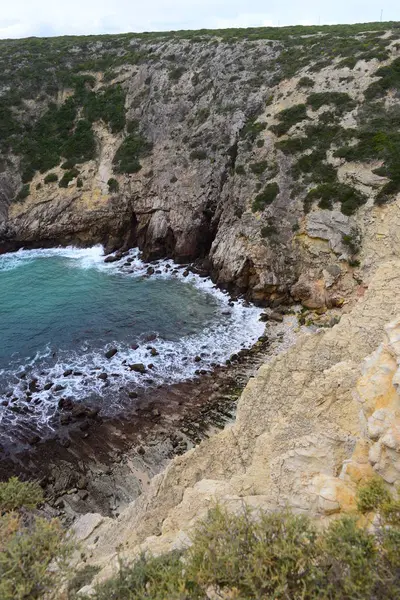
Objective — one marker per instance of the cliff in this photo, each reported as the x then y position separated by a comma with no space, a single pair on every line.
270,157
258,152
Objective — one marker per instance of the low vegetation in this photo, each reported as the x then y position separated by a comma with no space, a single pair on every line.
247,556
266,197
289,117
133,148
34,551
254,555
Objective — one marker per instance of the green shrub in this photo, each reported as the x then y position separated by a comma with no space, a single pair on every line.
82,578
260,143
289,117
176,74
259,167
15,494
23,193
133,147
341,100
68,164
81,145
34,552
352,241
328,193
305,82
198,155
108,106
113,185
268,230
240,170
202,115
150,578
68,177
252,129
372,495
266,197
79,183
389,79
51,178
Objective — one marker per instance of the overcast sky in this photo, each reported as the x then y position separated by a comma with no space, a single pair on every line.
22,18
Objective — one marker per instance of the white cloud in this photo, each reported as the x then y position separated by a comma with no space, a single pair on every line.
20,18
244,20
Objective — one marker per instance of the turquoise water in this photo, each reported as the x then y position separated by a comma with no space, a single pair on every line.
62,309
50,303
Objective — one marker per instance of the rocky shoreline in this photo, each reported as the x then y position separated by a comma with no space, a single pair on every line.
105,463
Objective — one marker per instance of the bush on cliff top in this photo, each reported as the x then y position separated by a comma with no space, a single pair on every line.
278,555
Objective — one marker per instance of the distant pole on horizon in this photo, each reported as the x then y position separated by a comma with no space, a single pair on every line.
319,21
381,14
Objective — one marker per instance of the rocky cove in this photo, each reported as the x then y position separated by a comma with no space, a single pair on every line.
267,160
89,458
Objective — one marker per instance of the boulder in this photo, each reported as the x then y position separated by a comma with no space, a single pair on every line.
138,368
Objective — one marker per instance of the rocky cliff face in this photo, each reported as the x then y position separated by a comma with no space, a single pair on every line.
224,148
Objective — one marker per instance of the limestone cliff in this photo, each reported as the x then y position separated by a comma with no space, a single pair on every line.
247,148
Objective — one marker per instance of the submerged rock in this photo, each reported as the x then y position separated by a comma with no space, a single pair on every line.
111,352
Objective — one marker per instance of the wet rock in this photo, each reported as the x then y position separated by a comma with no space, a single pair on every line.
65,443
9,394
155,413
34,439
48,386
66,404
264,317
59,387
84,426
111,352
185,273
33,386
197,359
79,411
138,368
135,346
132,394
65,419
141,450
78,373
111,259
153,352
4,402
275,316
102,376
151,337
92,413
67,373
150,271
22,375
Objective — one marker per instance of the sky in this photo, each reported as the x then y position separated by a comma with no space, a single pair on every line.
23,18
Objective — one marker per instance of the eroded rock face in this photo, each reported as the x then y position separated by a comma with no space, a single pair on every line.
213,151
312,425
